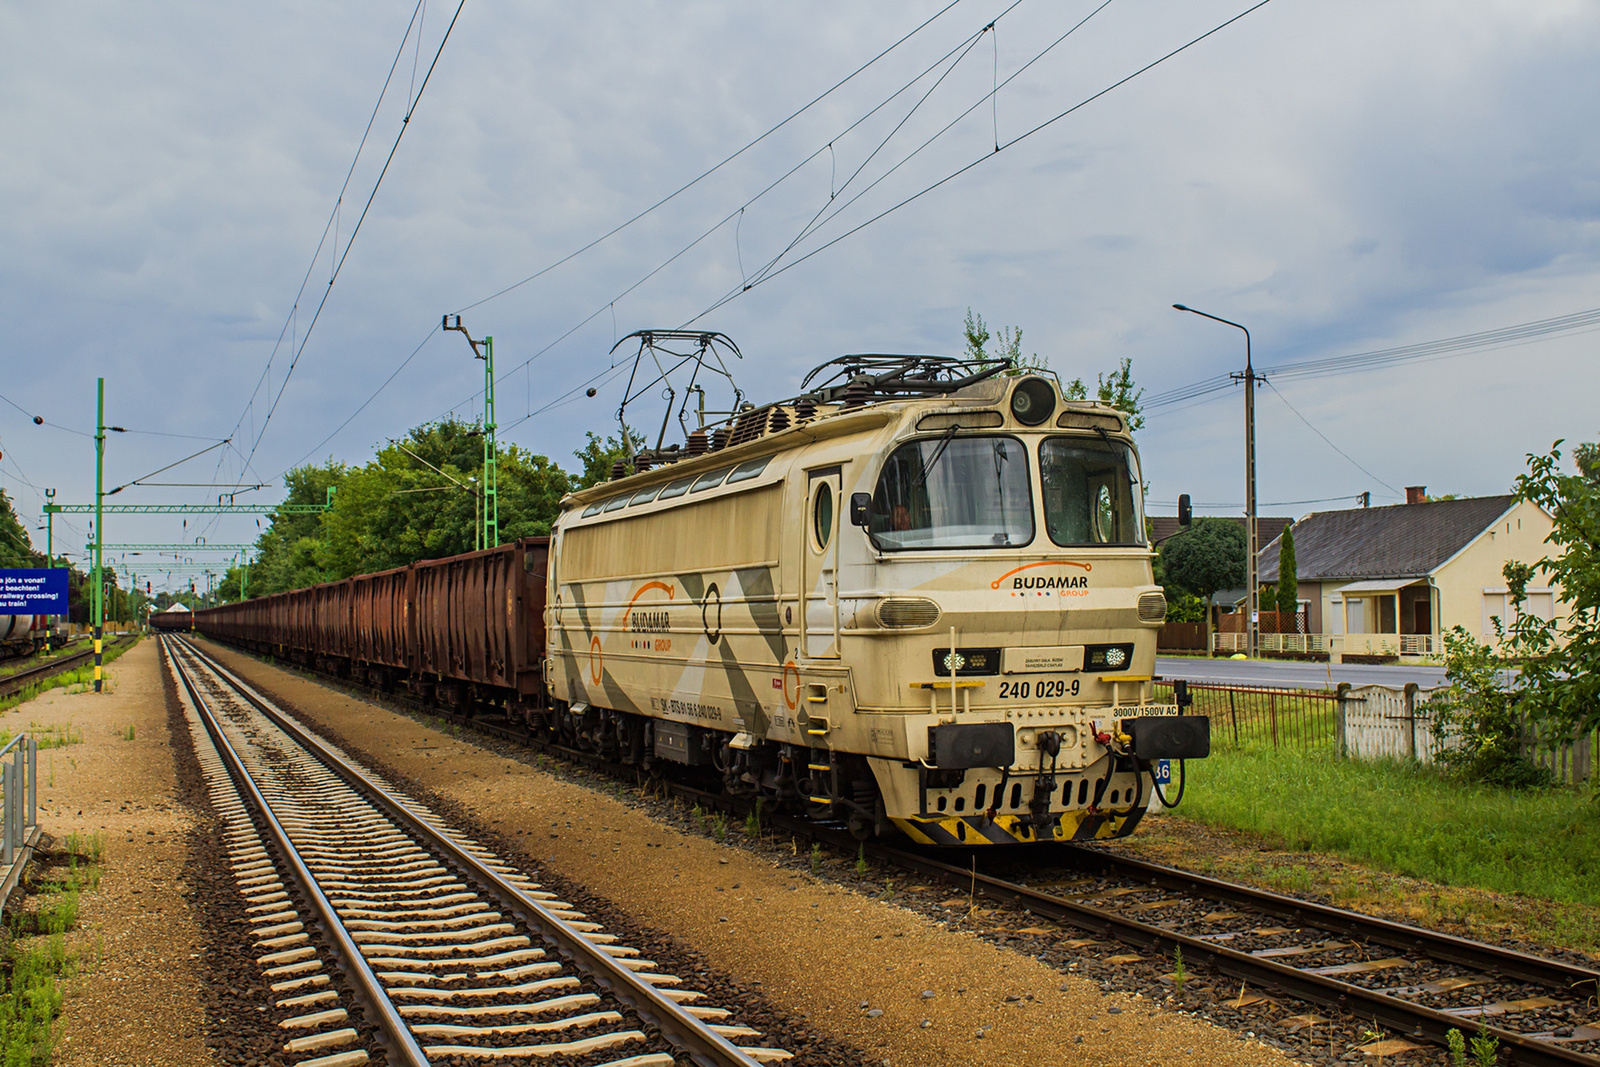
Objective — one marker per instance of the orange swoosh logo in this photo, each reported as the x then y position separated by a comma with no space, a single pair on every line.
641,591
1042,563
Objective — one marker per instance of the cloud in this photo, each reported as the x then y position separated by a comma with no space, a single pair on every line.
1340,176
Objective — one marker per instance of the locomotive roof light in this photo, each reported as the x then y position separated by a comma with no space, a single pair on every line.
1033,401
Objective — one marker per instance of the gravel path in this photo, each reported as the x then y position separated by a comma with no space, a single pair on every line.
142,1004
861,972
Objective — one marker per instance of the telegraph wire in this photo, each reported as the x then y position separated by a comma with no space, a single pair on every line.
1425,351
1326,438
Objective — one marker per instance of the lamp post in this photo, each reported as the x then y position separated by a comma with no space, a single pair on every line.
1249,377
484,350
99,527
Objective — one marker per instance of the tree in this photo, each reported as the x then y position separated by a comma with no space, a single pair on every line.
1116,389
286,550
15,548
1008,345
418,498
1560,657
1288,579
1208,556
600,454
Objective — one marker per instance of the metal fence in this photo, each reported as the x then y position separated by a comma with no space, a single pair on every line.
1263,716
1370,722
19,808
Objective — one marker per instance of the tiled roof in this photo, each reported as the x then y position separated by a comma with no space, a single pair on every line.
1402,541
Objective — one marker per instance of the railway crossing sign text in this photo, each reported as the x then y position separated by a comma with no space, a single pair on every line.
33,592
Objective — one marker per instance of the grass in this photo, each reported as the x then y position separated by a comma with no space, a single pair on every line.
1412,820
37,957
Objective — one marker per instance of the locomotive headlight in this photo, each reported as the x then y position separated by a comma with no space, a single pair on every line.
1033,401
953,661
1107,657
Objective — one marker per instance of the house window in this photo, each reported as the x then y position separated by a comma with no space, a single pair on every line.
1494,607
1355,613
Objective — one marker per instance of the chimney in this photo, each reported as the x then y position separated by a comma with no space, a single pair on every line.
1416,494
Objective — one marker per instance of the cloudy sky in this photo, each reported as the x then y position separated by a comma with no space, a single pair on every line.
1341,176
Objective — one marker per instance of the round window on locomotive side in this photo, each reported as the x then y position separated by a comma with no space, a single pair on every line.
822,516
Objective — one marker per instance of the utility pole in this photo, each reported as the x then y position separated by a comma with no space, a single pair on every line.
99,527
484,350
1249,377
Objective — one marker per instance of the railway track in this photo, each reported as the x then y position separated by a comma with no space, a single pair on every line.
1416,983
387,936
12,684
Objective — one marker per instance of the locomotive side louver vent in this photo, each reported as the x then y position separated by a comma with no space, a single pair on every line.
1152,607
907,613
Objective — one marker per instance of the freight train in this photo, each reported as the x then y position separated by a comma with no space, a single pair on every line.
916,598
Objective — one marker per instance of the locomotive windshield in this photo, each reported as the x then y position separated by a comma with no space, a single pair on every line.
953,492
1090,496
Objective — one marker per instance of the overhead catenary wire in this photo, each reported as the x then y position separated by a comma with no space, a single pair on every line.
767,273
732,214
291,320
714,168
982,159
340,259
662,202
830,210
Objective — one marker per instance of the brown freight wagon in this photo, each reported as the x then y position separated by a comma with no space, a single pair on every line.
461,630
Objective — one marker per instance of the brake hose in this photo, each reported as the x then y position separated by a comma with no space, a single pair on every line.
1175,801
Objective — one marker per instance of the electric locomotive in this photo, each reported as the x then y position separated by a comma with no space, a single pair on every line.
917,596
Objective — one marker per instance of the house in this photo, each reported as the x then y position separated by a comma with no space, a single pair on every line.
1390,581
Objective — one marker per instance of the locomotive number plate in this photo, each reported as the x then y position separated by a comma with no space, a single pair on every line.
1040,688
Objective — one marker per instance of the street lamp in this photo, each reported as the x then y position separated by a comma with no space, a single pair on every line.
489,525
1249,377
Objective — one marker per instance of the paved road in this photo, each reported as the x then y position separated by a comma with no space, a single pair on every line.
1294,672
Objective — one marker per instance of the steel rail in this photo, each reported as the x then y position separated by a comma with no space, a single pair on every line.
395,1035
676,1025
1491,959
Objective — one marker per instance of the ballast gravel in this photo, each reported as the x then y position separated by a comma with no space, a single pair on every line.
857,970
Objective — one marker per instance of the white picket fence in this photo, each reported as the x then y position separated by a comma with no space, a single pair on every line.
1381,722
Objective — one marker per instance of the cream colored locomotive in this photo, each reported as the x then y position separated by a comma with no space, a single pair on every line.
917,597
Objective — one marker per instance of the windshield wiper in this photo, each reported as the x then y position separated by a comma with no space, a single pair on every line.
938,454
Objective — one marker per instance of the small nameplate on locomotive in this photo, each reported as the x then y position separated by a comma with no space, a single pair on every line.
1055,658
